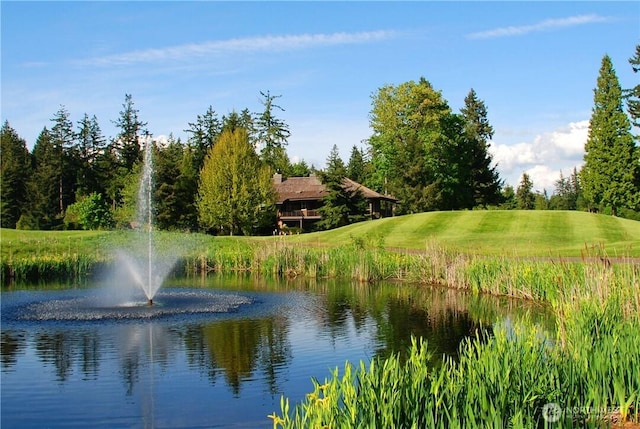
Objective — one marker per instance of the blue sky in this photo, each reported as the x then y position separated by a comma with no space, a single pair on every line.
534,64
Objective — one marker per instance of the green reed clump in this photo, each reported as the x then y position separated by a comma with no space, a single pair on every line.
588,369
48,267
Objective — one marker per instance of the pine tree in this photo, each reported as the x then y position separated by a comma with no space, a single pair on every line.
91,146
15,170
611,160
126,145
342,205
633,95
357,166
204,133
485,182
63,138
272,134
43,186
525,198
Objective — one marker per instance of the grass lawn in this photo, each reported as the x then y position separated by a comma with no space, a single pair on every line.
506,233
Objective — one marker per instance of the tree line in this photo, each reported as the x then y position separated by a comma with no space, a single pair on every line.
219,180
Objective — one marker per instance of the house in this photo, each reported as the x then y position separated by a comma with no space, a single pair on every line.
299,199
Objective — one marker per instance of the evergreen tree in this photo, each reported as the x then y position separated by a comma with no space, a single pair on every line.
611,160
633,95
508,197
15,170
525,198
126,145
357,166
342,205
204,133
63,138
44,185
235,192
485,182
91,146
300,169
167,160
272,134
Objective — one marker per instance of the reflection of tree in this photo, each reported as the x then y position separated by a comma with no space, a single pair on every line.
11,344
90,355
237,346
56,348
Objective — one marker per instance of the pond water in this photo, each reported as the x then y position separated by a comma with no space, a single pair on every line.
224,365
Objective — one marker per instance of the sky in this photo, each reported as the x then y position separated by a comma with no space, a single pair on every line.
534,64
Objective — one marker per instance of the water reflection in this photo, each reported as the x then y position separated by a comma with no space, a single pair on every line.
255,355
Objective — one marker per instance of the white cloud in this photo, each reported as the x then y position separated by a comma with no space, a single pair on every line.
248,44
544,157
548,24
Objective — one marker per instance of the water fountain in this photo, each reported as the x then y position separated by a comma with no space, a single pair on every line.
140,270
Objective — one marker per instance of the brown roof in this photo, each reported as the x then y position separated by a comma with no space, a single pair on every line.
311,188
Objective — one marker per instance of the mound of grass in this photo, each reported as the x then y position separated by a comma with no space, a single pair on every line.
506,233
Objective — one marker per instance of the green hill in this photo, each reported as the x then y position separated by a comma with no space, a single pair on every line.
508,233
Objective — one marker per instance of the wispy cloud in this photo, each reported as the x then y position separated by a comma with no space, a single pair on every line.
547,24
239,45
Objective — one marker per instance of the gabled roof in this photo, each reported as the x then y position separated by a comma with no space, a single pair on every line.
311,189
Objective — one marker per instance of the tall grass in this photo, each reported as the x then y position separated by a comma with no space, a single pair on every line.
588,373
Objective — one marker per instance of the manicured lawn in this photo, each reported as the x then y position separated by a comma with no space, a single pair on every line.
507,233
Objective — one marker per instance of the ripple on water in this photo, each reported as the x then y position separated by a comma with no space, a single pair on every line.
165,303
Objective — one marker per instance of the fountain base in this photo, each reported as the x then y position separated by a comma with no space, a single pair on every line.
150,302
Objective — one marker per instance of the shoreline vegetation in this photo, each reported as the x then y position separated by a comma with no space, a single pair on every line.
585,374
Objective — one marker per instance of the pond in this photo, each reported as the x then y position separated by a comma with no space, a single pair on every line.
226,367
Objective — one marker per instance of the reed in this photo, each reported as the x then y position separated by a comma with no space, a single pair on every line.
509,380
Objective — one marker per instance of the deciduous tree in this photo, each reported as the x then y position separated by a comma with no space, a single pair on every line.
235,192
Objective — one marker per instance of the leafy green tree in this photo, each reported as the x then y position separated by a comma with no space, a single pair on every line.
342,205
272,134
611,160
410,146
525,198
89,212
15,170
235,192
484,179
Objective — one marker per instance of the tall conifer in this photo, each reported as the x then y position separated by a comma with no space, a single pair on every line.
611,165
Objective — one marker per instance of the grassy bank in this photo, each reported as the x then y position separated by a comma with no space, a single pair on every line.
584,375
